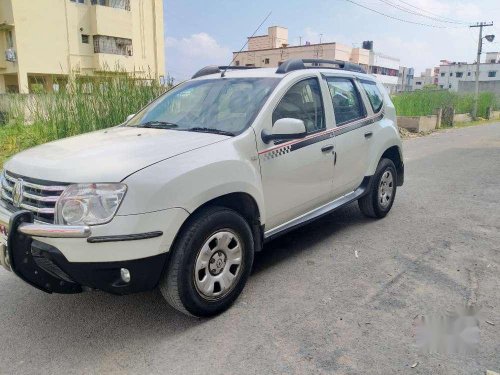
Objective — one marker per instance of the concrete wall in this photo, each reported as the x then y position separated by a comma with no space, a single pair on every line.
495,115
470,87
418,123
462,117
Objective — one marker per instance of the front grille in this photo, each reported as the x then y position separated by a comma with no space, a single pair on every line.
37,196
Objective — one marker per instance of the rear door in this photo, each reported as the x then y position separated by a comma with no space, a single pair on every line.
353,133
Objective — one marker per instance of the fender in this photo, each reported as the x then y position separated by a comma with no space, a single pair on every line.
190,180
386,137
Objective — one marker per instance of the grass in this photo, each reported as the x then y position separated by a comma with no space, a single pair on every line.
85,105
425,102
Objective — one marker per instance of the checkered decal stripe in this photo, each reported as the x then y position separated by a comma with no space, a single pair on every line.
277,152
318,137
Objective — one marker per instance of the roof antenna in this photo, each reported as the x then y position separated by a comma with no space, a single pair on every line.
223,74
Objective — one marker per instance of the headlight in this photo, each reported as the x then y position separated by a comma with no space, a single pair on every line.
89,204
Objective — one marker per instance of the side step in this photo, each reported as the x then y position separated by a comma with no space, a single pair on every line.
319,212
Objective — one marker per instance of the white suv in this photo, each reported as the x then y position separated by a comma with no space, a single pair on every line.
184,193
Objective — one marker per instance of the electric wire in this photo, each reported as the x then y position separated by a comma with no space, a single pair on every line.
434,14
405,9
397,18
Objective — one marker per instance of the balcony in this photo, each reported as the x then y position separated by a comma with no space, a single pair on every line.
107,20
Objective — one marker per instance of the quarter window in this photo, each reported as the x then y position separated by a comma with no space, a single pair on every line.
303,101
374,94
346,101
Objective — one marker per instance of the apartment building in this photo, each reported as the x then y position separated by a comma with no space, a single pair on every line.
427,78
405,79
44,41
272,49
461,76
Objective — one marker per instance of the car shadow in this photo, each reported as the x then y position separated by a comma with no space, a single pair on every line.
301,240
89,320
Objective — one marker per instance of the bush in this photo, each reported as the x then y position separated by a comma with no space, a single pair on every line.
85,105
425,102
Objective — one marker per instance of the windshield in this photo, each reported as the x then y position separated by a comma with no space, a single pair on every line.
225,106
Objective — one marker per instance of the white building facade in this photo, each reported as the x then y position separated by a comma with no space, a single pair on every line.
458,76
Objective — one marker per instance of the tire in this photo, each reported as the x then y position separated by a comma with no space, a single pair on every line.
373,204
203,278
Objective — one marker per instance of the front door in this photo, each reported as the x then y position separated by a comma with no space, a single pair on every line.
297,175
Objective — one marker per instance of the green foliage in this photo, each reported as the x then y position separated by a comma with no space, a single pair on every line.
425,102
85,105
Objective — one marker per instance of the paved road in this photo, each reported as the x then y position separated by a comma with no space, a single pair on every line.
311,306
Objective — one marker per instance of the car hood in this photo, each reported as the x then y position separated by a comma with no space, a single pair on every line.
107,155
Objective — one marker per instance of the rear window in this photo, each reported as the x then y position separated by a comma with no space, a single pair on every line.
374,94
347,104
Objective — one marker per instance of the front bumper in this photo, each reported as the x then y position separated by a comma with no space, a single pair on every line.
46,267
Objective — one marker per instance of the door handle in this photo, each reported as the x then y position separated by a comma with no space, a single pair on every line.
368,134
327,148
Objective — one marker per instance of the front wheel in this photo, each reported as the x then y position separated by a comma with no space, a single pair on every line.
210,263
379,200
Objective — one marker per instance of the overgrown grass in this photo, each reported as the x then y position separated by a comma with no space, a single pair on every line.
425,102
84,106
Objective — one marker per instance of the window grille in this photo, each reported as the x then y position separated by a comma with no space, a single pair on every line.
120,4
112,45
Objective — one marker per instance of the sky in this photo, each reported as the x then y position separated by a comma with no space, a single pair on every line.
200,32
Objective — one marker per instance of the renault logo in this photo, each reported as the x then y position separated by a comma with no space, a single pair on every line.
17,193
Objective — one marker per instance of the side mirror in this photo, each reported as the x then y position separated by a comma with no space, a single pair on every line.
129,117
284,129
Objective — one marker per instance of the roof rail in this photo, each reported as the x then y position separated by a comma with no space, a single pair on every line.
298,64
214,69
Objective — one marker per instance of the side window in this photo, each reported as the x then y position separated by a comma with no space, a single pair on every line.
374,94
347,103
303,101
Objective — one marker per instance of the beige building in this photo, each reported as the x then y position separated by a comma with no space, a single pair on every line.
46,40
272,49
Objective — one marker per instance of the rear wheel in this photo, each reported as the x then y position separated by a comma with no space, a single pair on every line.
379,200
210,263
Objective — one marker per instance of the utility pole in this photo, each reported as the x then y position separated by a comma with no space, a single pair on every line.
478,62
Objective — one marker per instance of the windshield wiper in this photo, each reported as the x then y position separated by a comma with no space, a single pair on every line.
157,125
211,130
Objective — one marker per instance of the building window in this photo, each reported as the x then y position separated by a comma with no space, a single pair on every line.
112,45
78,1
442,74
460,74
10,39
120,4
85,39
418,83
237,63
266,61
449,86
468,74
492,74
451,74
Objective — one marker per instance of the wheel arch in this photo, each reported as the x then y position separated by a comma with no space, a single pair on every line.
241,202
394,154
